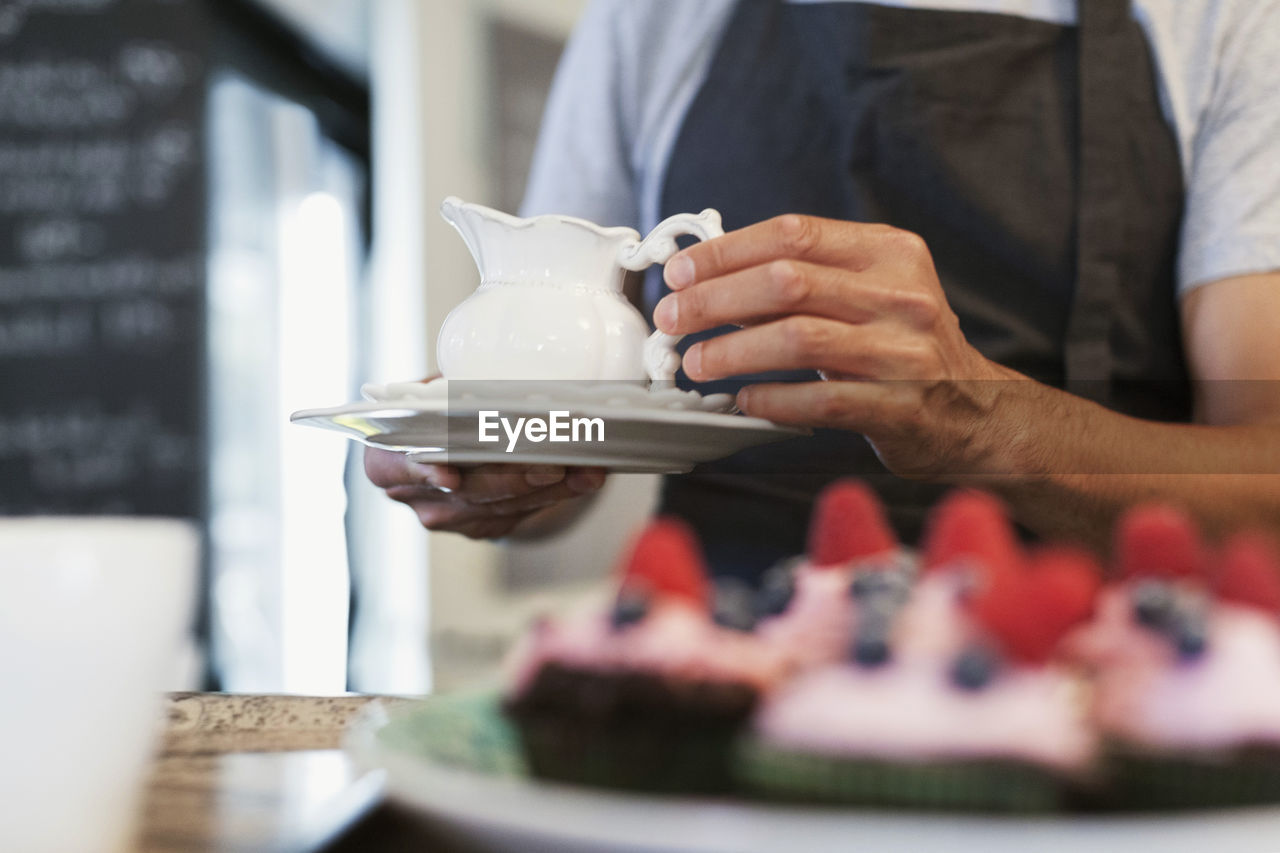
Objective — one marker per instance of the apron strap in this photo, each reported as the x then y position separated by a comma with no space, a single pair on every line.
1100,233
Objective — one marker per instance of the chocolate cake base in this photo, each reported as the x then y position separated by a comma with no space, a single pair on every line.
630,730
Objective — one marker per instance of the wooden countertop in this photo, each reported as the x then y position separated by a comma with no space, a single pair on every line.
255,773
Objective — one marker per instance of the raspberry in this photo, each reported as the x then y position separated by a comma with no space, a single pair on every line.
1249,572
971,526
1003,609
1159,541
1069,578
848,524
1029,611
667,560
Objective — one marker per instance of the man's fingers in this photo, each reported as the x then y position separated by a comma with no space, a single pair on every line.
470,522
812,343
489,483
856,406
410,494
452,513
586,480
541,499
776,289
852,245
488,528
438,512
388,468
482,502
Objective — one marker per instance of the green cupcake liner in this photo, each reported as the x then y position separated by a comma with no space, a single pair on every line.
776,773
473,732
466,730
1150,780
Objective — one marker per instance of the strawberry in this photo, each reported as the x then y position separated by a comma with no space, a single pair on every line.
666,559
1249,572
1159,541
971,526
848,524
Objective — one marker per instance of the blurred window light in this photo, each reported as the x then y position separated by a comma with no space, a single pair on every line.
283,296
314,366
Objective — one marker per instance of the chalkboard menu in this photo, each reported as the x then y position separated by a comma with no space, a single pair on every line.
102,256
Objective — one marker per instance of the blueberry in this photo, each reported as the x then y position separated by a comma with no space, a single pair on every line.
895,562
871,650
879,584
777,588
879,610
629,609
906,565
974,668
1190,634
1154,604
871,639
733,605
867,583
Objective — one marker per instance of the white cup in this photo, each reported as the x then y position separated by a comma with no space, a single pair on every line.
92,619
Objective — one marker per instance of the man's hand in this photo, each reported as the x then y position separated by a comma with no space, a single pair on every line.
863,302
487,502
862,305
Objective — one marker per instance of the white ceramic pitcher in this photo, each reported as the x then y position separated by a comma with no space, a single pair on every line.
550,302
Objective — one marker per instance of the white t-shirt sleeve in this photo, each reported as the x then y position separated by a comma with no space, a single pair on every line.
628,75
1232,224
581,165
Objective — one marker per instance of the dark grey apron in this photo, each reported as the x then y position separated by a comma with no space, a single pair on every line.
1032,157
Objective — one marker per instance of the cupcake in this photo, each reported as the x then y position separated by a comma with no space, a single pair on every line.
649,694
807,607
1186,659
956,702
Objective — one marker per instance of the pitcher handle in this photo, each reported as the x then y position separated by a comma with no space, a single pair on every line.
661,361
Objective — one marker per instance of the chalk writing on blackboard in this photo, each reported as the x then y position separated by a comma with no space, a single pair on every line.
102,255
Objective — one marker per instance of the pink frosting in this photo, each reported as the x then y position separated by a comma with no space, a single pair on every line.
675,638
909,709
816,625
912,712
934,625
1229,696
1112,637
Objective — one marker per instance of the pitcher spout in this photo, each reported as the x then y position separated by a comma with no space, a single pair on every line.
471,220
558,249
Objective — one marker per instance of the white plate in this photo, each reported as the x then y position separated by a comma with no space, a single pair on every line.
502,813
632,395
670,435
